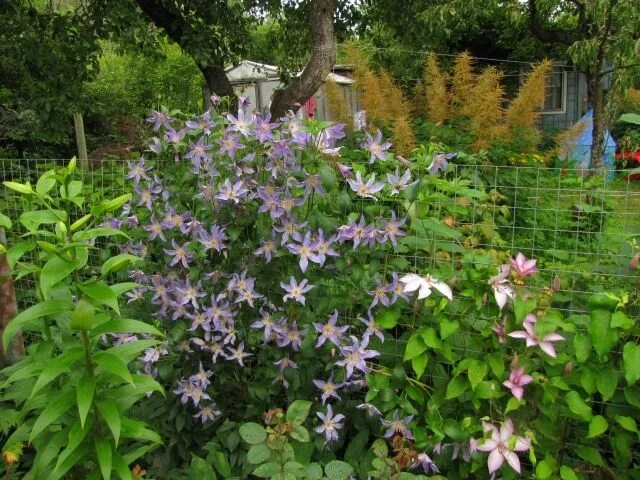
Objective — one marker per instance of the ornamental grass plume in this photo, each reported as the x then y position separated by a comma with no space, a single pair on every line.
337,103
435,90
404,139
565,141
463,80
484,108
523,111
395,103
368,84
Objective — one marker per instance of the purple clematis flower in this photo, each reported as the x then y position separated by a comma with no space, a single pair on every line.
290,229
160,119
190,294
241,124
328,388
502,446
355,356
175,136
391,229
295,291
232,193
213,240
208,413
424,462
237,354
400,183
365,189
155,229
330,331
138,171
371,409
203,123
264,129
372,328
440,162
198,152
376,147
323,247
304,251
180,254
398,426
267,322
379,295
330,425
267,249
229,144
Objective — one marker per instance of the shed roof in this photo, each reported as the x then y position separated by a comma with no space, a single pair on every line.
248,71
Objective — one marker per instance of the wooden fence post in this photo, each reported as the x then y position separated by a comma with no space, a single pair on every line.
81,141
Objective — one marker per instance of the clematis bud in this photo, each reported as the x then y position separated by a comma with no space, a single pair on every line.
568,368
9,458
555,284
448,221
633,264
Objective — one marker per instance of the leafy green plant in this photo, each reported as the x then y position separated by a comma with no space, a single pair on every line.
66,404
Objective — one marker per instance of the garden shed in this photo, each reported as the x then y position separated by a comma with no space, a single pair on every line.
257,81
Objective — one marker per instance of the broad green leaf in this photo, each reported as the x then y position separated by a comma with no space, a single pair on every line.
112,364
30,318
84,396
83,316
253,433
119,262
300,434
74,457
602,337
456,387
45,183
5,222
121,467
567,474
267,470
544,469
298,411
16,252
448,328
627,423
125,326
578,406
522,308
222,464
630,361
313,471
606,382
356,448
112,417
129,351
104,452
56,407
200,469
120,288
476,372
56,367
19,187
56,269
258,454
415,347
338,470
590,455
633,118
388,318
92,233
419,364
116,203
513,404
101,293
81,222
138,430
621,320
430,338
76,436
597,426
34,218
582,346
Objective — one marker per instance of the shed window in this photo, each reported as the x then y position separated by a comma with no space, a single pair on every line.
556,92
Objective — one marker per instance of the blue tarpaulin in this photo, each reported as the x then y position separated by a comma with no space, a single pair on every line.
580,149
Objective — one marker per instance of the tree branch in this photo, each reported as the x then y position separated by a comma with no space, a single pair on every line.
322,59
546,34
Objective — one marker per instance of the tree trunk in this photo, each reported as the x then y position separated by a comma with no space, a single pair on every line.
8,310
217,81
597,100
323,57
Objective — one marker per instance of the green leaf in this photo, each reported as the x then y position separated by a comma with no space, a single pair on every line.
620,320
630,361
258,454
81,222
513,404
597,426
578,406
267,470
298,411
92,233
125,326
476,372
300,434
356,447
415,347
522,308
112,364
137,430
19,187
200,469
448,328
627,423
25,320
129,351
337,470
633,118
606,382
253,433
101,293
103,451
5,222
544,469
456,387
111,416
603,337
76,436
84,396
121,467
419,364
388,318
56,367
56,407
313,471
116,203
83,316
120,288
582,346
430,338
45,183
34,218
590,454
56,269
222,464
119,262
16,252
567,474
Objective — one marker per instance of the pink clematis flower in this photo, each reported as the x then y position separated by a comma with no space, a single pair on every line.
502,288
523,267
502,446
424,285
545,343
517,381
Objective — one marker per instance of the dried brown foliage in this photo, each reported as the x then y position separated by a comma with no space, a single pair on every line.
463,79
484,108
337,103
435,90
404,140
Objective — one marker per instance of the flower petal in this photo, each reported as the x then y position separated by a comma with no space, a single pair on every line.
495,460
